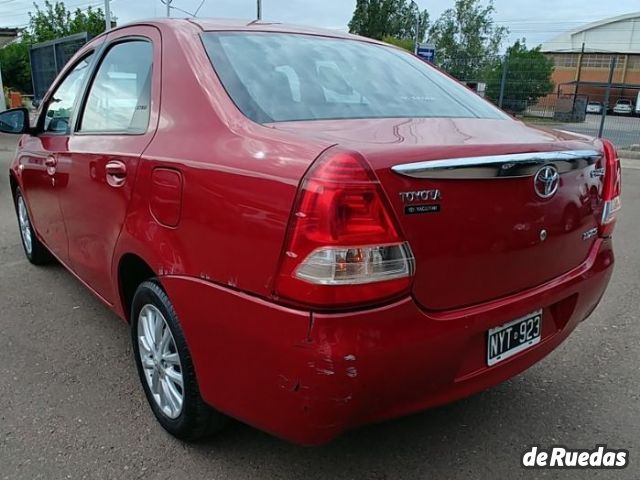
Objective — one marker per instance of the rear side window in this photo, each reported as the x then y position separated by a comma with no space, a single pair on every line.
277,77
120,95
60,106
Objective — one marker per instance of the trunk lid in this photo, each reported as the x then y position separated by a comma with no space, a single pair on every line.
478,228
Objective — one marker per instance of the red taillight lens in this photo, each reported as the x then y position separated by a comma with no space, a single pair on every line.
343,247
611,189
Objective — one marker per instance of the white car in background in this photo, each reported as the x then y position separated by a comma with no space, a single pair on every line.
624,106
594,107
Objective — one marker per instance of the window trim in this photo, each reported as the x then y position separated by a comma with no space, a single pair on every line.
40,131
226,63
104,51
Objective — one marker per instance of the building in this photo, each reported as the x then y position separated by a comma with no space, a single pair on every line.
8,35
583,59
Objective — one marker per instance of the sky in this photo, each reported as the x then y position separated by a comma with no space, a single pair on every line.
536,20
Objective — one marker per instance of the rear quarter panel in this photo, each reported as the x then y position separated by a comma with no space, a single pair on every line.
239,179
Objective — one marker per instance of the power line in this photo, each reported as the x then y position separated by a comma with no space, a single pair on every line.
181,10
26,12
23,25
169,4
195,14
31,6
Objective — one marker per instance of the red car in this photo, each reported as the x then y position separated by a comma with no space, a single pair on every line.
306,230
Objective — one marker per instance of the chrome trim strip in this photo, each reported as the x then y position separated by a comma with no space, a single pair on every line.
499,166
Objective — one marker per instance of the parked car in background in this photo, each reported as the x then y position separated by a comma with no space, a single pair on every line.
308,230
594,107
623,106
637,109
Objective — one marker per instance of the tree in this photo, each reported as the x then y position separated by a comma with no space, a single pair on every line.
55,21
388,18
407,44
14,63
466,39
47,23
528,77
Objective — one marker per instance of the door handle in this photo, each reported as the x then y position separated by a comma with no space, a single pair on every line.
116,173
51,162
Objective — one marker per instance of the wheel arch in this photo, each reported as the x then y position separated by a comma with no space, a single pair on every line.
132,271
13,182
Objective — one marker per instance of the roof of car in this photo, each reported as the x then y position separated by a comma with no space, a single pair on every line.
261,26
231,24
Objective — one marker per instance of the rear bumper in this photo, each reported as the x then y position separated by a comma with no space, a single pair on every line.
308,378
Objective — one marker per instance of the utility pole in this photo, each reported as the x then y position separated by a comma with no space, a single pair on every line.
603,118
503,78
578,76
259,12
417,26
168,8
3,105
107,15
417,31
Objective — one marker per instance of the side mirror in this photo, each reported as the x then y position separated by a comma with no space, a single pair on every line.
15,121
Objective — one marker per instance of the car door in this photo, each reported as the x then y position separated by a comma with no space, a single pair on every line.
43,177
115,123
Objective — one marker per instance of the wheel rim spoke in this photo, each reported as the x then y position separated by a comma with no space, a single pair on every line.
147,363
170,397
171,358
164,342
155,382
160,361
143,342
173,376
158,324
147,331
173,395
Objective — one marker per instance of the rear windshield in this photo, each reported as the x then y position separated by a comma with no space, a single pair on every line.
279,77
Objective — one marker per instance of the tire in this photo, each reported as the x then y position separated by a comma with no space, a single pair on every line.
34,250
191,419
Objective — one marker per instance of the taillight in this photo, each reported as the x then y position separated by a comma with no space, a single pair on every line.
611,189
343,247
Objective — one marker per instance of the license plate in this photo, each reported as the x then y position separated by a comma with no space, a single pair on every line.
507,340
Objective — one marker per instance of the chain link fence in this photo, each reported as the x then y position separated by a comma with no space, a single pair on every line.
47,60
596,96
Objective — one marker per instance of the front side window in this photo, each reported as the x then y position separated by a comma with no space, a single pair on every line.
60,106
279,77
120,95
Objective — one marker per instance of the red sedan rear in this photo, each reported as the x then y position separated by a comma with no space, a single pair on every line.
307,230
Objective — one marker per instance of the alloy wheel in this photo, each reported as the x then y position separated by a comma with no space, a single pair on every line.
160,361
25,226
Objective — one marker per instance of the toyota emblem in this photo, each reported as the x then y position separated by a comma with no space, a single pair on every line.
546,181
